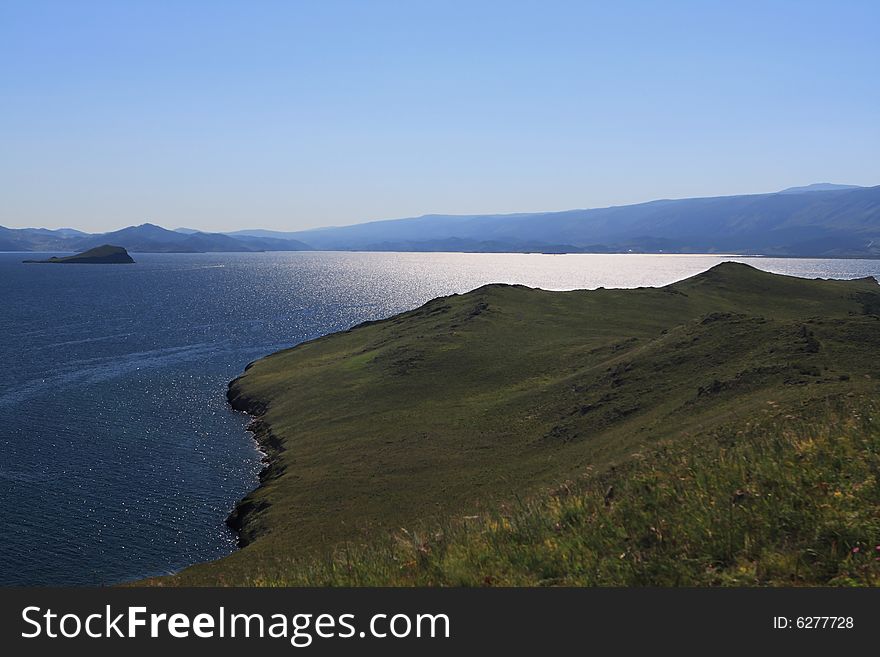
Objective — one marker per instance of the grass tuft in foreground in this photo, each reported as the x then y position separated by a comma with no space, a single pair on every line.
793,501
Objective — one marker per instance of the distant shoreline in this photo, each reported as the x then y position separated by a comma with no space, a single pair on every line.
640,253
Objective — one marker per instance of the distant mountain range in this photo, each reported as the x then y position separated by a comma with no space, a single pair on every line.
817,220
818,187
146,238
822,220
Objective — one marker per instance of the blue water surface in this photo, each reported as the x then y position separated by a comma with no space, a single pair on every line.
120,458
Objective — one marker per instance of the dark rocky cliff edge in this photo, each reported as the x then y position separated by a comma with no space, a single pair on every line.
269,444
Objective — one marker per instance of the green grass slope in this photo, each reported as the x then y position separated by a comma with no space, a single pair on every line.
788,500
474,401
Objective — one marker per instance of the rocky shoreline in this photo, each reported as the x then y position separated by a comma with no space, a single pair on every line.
249,506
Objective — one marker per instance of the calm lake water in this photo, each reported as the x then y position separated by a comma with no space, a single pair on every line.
120,458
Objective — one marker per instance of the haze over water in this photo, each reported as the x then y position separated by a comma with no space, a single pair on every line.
120,456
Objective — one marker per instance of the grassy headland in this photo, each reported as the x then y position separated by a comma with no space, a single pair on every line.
717,430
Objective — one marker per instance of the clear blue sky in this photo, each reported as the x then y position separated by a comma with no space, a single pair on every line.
223,115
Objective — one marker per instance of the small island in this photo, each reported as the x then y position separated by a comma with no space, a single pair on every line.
100,255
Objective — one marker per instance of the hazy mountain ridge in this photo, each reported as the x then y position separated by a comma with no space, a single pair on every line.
146,238
817,187
821,219
822,222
